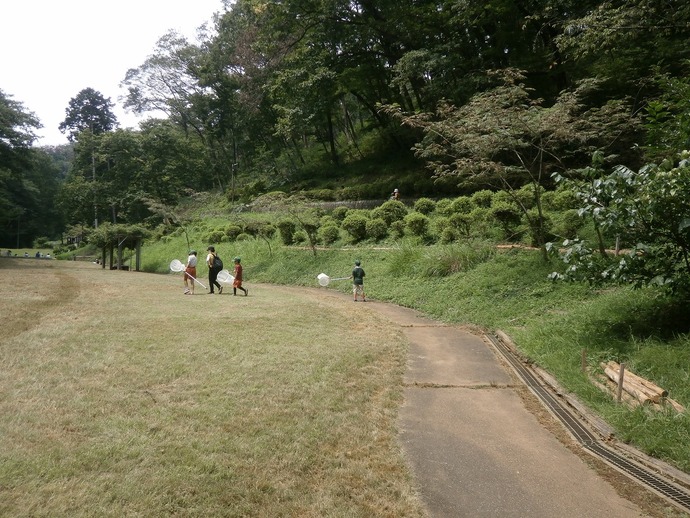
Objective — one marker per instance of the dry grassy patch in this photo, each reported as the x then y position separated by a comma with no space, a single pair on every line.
121,396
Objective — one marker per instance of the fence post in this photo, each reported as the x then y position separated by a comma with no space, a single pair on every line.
621,374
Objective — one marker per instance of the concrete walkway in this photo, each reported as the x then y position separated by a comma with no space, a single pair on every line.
475,449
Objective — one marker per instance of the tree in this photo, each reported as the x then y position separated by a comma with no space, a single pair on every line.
649,210
89,110
20,184
504,138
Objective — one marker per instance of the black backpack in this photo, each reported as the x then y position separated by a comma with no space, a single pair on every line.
217,263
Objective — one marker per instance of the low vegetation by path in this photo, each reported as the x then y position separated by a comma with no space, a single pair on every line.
123,397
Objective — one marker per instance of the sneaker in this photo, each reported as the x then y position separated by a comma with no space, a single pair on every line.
246,292
220,290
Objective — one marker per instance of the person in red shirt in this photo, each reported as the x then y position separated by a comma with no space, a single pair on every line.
237,283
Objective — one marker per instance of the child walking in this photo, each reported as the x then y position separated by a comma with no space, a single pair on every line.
358,281
190,273
237,283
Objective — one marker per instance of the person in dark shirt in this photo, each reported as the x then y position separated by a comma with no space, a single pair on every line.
358,281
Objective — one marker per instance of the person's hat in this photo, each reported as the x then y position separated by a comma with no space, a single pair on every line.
236,259
211,249
357,263
395,190
192,252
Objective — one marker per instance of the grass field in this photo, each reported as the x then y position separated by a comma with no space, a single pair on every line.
119,396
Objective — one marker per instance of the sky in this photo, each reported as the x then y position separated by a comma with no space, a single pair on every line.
50,50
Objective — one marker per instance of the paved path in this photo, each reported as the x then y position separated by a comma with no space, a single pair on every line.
475,449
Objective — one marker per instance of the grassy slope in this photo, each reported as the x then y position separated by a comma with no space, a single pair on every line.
550,322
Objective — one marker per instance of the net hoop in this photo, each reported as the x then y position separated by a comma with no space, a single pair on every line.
176,265
225,277
323,279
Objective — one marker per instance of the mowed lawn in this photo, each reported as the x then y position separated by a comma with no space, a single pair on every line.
120,396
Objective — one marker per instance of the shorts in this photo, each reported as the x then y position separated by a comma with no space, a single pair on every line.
358,289
237,283
189,273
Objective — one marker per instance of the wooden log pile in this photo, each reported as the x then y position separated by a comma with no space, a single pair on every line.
637,390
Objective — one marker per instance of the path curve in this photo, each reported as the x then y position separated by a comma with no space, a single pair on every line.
474,446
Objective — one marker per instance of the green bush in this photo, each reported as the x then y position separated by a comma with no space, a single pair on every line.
444,207
339,213
329,234
355,224
244,237
232,231
482,198
462,205
417,224
449,235
534,228
397,229
461,222
286,228
568,223
390,211
425,206
376,229
214,236
507,215
300,237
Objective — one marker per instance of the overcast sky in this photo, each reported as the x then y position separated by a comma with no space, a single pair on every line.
50,50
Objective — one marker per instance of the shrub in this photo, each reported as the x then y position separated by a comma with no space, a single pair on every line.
568,224
329,234
300,237
390,211
376,229
564,199
534,227
232,231
507,215
287,227
397,229
215,236
355,224
482,198
462,205
425,206
244,237
449,235
339,213
417,224
461,222
444,207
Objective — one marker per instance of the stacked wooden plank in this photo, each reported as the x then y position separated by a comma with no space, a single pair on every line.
637,390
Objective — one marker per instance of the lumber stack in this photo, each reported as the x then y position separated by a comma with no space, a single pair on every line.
637,390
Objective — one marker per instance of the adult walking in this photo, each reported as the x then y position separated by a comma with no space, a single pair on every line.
213,270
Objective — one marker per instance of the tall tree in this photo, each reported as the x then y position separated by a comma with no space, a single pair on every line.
89,110
19,190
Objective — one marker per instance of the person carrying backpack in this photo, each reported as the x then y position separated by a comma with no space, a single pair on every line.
215,265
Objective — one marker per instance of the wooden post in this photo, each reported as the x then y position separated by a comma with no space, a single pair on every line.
621,374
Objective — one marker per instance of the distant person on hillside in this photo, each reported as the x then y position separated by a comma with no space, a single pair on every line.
395,195
358,281
237,283
213,270
190,273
